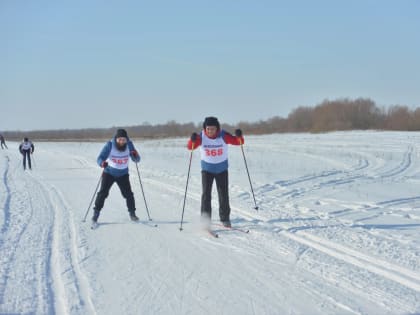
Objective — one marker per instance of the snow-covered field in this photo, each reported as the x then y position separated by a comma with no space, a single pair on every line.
337,231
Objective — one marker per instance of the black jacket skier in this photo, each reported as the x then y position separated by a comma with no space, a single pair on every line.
3,143
26,148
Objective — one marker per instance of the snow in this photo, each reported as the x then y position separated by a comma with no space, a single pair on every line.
337,230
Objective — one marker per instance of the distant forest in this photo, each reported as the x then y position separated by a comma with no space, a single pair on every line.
334,115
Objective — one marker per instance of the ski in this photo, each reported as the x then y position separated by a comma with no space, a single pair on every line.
213,233
232,228
94,225
147,223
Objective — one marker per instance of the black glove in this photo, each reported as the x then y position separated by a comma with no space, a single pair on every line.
194,136
238,132
104,164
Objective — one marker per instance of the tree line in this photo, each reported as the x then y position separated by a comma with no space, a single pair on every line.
330,115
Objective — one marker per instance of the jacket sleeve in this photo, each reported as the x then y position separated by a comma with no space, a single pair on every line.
135,157
103,156
197,143
234,140
32,147
20,148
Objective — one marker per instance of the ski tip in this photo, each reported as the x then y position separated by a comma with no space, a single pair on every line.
214,234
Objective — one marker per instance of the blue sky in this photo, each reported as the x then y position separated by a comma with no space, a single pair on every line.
77,64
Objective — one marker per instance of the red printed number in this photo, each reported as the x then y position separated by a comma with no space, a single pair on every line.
214,152
120,161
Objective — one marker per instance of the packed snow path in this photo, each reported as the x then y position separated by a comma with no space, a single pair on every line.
337,231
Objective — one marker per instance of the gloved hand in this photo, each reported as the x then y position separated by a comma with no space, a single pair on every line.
194,136
238,132
134,153
104,164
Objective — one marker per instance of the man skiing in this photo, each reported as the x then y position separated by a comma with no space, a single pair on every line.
214,166
26,148
114,159
3,143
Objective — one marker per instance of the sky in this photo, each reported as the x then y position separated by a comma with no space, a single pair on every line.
89,64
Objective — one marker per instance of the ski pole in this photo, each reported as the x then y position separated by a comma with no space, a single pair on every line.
33,160
186,186
142,190
249,178
97,186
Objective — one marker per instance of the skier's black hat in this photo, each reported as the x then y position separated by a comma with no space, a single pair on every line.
211,121
121,133
25,139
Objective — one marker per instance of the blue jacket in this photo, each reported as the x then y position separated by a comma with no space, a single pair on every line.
106,151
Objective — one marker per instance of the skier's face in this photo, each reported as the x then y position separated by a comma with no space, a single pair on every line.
121,142
211,131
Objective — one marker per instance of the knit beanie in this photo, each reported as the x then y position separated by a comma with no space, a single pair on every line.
121,133
211,121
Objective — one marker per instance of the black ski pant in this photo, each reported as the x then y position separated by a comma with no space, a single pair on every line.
222,190
3,144
123,183
26,154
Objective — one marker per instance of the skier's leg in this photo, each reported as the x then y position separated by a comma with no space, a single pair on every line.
29,159
24,160
125,188
207,184
222,184
106,183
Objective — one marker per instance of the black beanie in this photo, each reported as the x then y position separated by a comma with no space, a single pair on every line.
211,121
121,133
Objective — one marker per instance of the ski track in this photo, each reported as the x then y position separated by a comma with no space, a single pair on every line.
41,225
376,283
23,236
333,178
371,264
6,206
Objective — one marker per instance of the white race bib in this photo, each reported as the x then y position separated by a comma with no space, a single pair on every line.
213,150
118,159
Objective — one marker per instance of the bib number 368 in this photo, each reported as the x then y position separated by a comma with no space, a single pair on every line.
214,152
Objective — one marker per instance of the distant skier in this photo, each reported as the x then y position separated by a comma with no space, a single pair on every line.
3,143
114,159
26,148
214,165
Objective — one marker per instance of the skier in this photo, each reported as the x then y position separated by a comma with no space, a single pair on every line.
3,143
26,148
114,159
214,165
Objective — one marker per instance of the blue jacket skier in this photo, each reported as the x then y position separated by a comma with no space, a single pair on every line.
114,159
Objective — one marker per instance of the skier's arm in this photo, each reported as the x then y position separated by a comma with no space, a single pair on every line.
134,154
234,140
197,141
20,149
103,156
32,148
